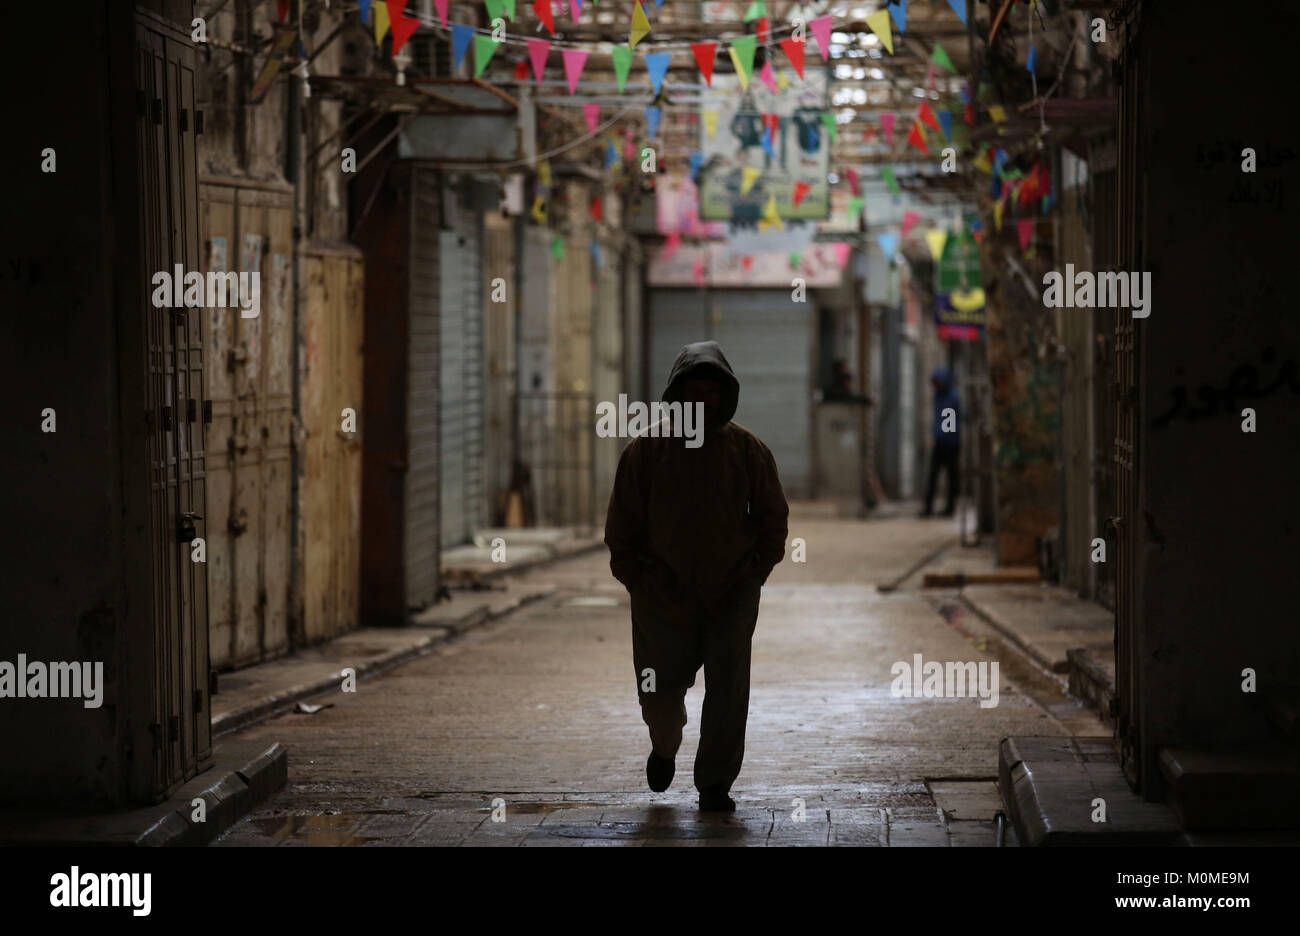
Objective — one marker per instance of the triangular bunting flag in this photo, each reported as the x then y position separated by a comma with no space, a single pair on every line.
557,247
997,214
1025,230
880,25
592,113
640,26
543,9
671,243
800,190
611,154
494,8
521,70
537,52
887,123
916,136
1029,65
656,65
793,49
756,9
821,27
936,238
767,77
828,121
853,180
959,7
856,203
888,245
898,10
695,160
770,214
926,116
652,115
460,40
710,122
574,60
842,252
887,173
697,271
575,9
748,176
740,72
622,57
794,259
766,143
595,253
997,112
909,221
381,22
761,31
969,114
441,7
364,5
539,209
781,81
945,121
940,57
744,49
705,53
510,8
484,48
402,27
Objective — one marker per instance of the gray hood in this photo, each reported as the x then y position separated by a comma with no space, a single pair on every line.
706,354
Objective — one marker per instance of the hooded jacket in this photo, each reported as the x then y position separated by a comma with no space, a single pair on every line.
944,398
697,520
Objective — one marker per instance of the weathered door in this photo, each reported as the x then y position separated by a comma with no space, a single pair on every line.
248,227
333,330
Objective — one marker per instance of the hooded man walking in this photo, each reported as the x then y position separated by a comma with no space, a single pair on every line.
693,533
947,440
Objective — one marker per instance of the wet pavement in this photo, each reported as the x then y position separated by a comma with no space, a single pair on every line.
526,731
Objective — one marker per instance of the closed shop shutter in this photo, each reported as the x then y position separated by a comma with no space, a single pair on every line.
422,411
498,361
462,388
768,341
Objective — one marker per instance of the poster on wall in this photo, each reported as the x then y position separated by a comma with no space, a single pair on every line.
959,315
778,136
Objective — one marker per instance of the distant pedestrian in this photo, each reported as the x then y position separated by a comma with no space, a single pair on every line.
693,533
947,440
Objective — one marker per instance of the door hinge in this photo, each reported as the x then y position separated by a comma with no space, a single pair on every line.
198,122
212,682
167,419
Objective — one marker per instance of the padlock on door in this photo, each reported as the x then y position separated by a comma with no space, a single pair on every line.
185,529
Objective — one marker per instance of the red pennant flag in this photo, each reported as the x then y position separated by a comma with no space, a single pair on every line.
794,52
521,70
770,121
597,208
282,8
762,29
853,180
747,261
402,26
800,190
543,10
927,117
917,138
1025,228
868,134
970,115
979,237
704,55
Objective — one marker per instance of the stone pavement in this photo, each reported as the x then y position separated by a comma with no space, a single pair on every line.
532,719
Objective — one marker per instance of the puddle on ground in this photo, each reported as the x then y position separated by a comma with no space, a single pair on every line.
338,829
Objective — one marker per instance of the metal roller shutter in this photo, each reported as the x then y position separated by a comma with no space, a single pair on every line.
462,388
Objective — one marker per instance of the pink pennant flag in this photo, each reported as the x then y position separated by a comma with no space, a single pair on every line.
821,28
592,113
537,51
909,221
575,10
887,121
671,244
841,253
853,179
767,76
1025,228
441,7
697,271
574,60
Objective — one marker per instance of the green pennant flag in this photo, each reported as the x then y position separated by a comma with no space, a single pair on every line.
495,8
557,247
622,56
855,206
828,121
484,49
887,173
940,57
510,10
756,9
744,47
794,260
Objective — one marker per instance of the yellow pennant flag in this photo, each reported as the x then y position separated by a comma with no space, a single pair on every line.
935,238
740,72
710,122
539,211
982,163
997,112
880,25
770,215
380,12
781,81
544,172
997,214
640,26
748,176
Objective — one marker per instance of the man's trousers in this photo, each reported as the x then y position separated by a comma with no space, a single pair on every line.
673,635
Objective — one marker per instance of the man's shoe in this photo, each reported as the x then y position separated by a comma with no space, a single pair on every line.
659,772
716,801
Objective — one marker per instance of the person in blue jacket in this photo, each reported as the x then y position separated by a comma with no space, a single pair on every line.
947,439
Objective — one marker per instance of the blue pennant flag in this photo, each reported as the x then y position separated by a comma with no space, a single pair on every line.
696,160
767,143
965,92
365,11
888,242
460,39
899,12
959,7
610,156
595,253
1032,58
652,120
656,65
945,121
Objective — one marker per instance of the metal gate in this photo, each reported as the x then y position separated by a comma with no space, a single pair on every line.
1130,206
461,379
180,718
